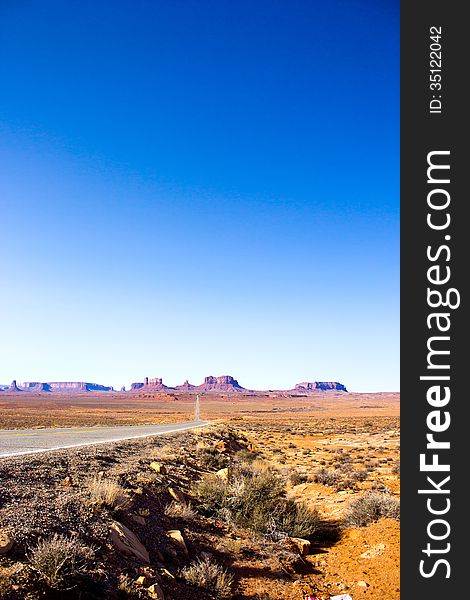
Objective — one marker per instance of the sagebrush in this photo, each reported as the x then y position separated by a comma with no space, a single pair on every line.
371,507
210,576
61,561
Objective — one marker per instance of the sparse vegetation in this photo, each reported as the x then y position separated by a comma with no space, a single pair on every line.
210,576
180,510
127,589
61,561
371,507
259,505
327,477
255,498
211,458
108,493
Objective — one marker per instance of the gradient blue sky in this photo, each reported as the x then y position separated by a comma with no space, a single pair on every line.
195,187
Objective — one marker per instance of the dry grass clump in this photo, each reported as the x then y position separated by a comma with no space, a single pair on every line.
255,498
245,456
327,477
61,561
127,589
371,507
108,493
209,576
343,476
211,458
180,510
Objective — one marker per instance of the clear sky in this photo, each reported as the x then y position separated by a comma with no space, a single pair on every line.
200,187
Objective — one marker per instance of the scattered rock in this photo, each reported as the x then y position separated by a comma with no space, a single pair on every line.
158,467
127,542
156,592
177,495
303,546
6,542
142,580
167,573
138,519
177,537
67,481
375,551
223,474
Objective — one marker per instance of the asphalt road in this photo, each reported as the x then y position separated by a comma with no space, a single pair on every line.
16,442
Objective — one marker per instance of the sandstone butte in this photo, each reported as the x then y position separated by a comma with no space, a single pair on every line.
223,383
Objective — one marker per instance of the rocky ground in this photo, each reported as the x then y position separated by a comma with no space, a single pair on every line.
154,526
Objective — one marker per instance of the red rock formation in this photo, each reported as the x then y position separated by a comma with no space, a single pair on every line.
224,383
186,386
320,386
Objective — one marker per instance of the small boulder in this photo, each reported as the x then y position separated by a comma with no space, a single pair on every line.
223,474
138,519
303,546
155,592
127,542
177,537
363,584
158,467
177,495
6,542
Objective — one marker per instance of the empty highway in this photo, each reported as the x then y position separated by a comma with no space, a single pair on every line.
17,442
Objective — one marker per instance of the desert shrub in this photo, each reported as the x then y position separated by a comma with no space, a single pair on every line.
371,507
180,510
297,520
61,561
108,493
396,469
211,458
245,456
209,576
256,499
359,475
327,477
296,478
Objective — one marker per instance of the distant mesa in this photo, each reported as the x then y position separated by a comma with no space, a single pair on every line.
13,387
186,386
320,386
222,383
58,386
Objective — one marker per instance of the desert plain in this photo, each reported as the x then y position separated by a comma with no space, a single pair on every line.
328,450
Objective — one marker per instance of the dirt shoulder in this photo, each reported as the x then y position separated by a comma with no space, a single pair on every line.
50,494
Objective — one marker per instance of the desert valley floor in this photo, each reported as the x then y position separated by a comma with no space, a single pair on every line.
329,450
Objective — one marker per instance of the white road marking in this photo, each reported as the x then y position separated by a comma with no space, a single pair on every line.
109,441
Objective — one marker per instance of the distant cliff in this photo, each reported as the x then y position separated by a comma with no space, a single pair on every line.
222,383
58,386
320,386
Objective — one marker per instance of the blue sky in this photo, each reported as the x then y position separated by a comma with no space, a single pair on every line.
200,187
